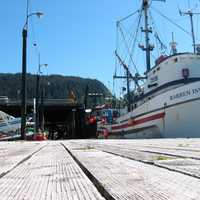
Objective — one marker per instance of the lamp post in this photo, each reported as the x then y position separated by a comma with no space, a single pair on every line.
38,92
24,61
43,96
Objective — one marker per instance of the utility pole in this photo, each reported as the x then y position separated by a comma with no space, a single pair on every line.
24,86
37,100
34,114
42,108
24,69
38,93
191,14
86,97
73,123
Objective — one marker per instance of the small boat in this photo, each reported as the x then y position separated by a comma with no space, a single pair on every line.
9,126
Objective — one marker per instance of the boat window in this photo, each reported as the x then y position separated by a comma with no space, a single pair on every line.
176,60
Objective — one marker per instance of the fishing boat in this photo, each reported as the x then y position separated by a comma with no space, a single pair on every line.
167,104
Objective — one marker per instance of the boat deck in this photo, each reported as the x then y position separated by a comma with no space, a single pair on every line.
159,169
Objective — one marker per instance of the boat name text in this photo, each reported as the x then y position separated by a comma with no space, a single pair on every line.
185,93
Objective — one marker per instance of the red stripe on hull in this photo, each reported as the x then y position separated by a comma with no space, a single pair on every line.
139,121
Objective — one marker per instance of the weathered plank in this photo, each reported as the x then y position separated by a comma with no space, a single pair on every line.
128,179
12,153
50,174
126,148
183,165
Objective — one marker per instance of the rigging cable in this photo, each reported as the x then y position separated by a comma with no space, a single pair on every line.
171,21
129,35
129,41
115,72
125,18
127,48
136,34
117,42
163,47
137,31
123,36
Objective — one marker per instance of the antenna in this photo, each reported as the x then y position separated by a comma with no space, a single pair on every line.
190,14
173,45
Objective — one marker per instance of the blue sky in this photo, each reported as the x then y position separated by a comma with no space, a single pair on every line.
76,37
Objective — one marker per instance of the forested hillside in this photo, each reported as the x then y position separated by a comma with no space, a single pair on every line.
55,86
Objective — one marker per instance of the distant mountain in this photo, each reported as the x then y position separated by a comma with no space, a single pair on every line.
55,86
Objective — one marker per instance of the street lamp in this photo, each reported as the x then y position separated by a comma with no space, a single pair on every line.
23,83
37,92
43,94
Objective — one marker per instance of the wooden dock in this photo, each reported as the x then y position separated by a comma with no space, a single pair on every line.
162,169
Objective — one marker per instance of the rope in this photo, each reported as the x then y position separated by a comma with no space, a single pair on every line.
128,48
136,34
125,18
171,21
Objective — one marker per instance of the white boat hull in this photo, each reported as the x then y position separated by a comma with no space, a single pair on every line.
172,114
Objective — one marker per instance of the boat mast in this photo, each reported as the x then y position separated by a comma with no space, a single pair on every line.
191,14
148,48
192,30
128,75
147,31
